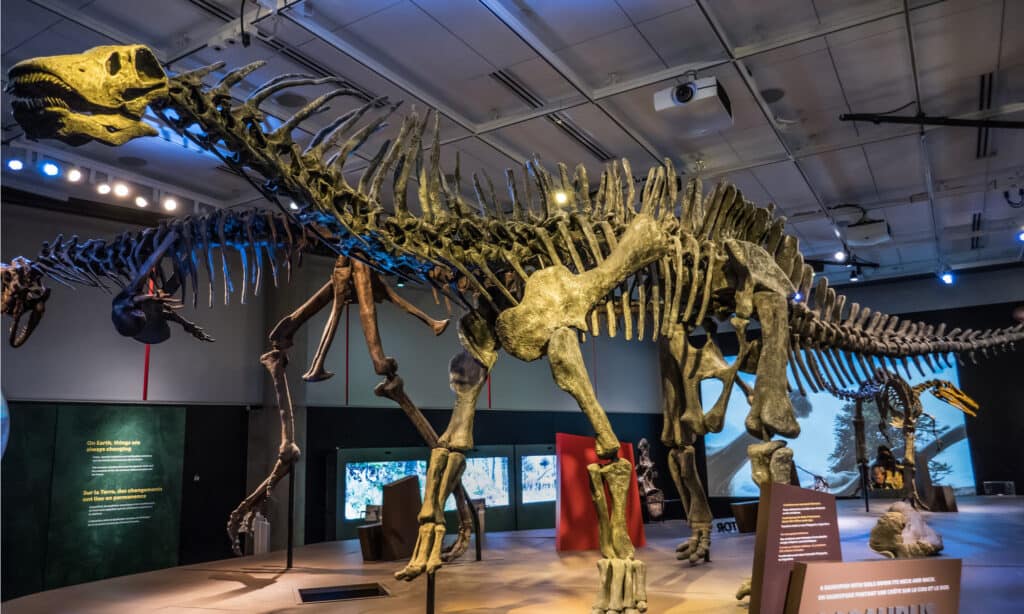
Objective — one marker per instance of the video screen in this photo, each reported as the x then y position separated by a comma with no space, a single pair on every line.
825,452
539,474
364,482
484,478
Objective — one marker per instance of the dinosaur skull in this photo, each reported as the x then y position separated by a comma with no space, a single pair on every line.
959,399
23,293
98,94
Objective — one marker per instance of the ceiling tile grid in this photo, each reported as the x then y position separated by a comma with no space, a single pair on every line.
505,72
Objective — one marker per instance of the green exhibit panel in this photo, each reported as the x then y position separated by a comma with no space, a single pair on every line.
27,467
115,494
536,490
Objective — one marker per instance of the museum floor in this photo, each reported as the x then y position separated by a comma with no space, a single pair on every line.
522,573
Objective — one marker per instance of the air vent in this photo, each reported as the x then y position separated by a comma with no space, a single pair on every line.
346,592
983,147
975,230
561,121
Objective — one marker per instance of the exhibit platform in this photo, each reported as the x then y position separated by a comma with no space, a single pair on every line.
521,572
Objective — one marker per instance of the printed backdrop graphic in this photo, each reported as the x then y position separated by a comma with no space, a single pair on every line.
576,518
825,447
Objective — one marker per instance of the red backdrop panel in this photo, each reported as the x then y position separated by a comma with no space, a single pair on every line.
576,518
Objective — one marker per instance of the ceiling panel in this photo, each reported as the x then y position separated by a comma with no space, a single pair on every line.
645,10
841,176
747,22
896,166
567,23
471,22
786,186
619,55
23,22
682,36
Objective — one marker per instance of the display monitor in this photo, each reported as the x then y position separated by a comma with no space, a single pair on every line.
485,477
825,448
364,482
538,478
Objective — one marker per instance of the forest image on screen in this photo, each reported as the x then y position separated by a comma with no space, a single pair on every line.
539,472
484,478
826,447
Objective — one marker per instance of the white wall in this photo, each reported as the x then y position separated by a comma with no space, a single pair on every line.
75,353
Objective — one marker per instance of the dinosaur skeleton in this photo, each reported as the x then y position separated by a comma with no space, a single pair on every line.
899,405
567,261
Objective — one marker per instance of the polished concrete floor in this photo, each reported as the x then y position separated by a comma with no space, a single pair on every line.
522,573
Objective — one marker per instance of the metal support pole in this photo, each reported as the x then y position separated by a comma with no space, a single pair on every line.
430,592
476,530
291,514
864,485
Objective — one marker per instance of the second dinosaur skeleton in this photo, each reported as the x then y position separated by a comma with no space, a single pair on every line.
567,260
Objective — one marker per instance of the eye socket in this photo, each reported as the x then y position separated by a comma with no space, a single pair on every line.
147,65
114,63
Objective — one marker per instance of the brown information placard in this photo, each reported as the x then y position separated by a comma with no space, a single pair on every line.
908,586
793,524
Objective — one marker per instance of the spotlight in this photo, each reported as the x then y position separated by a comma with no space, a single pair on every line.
840,256
103,188
293,206
797,297
947,276
855,274
15,164
141,202
399,284
561,197
74,175
170,204
1020,236
50,169
120,190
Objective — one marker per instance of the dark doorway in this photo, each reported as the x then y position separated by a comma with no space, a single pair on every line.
213,479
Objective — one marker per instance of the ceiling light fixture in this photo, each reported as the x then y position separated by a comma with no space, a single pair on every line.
947,276
561,197
797,297
15,164
170,204
1020,236
855,274
121,190
50,169
74,175
840,256
103,188
293,206
141,202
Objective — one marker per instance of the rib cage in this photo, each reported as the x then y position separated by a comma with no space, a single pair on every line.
194,242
